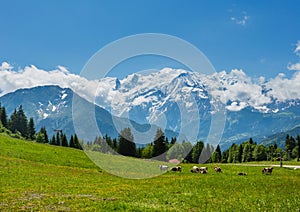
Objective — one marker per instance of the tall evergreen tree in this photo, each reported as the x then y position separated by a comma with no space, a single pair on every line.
3,117
77,143
275,146
31,129
22,124
58,139
240,153
13,122
53,140
247,152
64,140
160,146
115,144
196,151
173,140
217,155
72,143
251,141
127,146
42,136
233,154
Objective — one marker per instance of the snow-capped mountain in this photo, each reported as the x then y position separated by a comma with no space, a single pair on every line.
52,107
178,100
167,97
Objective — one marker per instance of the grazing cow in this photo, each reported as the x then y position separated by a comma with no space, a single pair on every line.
203,170
195,169
267,170
218,169
176,169
163,168
242,173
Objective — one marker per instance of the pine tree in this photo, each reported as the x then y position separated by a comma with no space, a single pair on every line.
233,153
240,154
64,140
219,153
53,140
77,143
22,124
126,143
115,144
58,139
72,143
173,140
251,141
42,136
3,117
247,152
160,146
31,129
13,122
196,151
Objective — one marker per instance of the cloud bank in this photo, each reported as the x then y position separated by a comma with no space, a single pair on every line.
235,89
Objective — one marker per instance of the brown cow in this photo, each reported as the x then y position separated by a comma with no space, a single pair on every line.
218,169
267,170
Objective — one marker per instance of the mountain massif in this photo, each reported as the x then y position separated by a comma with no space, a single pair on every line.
175,100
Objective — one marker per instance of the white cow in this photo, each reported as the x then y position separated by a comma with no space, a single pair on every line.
195,169
203,170
163,168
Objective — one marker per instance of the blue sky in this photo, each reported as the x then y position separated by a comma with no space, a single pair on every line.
257,36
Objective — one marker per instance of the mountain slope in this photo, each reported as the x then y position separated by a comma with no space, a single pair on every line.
52,107
279,138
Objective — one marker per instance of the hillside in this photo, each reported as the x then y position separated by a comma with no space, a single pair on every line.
279,138
39,177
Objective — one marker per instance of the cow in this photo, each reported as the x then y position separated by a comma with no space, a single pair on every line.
163,168
242,173
267,170
203,170
176,169
218,169
195,169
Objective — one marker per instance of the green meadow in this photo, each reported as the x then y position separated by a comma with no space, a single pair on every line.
40,177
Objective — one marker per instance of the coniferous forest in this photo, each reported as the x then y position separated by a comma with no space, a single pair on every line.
19,126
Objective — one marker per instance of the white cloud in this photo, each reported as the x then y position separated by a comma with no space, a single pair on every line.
297,50
31,76
6,66
282,88
234,89
294,67
240,20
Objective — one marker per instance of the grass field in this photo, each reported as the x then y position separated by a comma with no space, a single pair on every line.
48,178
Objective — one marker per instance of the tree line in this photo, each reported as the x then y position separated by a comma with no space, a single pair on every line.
251,151
160,148
18,126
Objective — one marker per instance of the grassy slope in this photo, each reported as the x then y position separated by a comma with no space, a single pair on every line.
42,177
